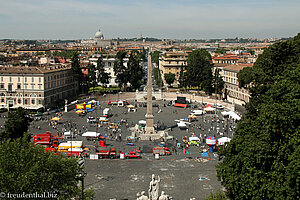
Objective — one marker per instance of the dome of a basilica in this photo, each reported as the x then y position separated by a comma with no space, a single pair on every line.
99,35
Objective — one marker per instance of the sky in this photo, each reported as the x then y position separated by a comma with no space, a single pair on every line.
165,19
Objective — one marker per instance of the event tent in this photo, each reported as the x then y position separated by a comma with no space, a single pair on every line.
90,134
223,140
231,114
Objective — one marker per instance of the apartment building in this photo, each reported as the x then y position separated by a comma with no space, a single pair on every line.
35,87
232,92
173,62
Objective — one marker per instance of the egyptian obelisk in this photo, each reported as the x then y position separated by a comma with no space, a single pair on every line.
149,116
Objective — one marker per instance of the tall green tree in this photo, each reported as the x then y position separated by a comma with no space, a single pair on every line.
92,80
16,125
199,73
155,57
262,161
135,70
25,168
103,77
170,78
182,78
218,83
120,70
76,71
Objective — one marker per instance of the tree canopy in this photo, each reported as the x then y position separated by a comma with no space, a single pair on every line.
103,77
198,70
170,78
262,161
120,70
218,83
92,81
29,169
155,57
76,70
135,71
16,125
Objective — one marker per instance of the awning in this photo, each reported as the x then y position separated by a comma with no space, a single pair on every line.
182,105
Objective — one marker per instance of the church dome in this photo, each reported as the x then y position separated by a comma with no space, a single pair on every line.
99,35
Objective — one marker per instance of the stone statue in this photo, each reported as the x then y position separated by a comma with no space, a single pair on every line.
143,196
138,196
153,188
163,196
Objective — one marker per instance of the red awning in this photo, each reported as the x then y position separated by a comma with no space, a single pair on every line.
180,105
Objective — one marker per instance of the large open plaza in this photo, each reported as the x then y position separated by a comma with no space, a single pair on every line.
184,175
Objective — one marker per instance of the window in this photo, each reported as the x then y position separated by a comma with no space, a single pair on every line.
1,85
32,86
1,78
10,79
18,86
2,100
25,86
19,79
26,101
48,78
19,101
9,87
40,79
40,87
32,79
32,101
25,79
40,101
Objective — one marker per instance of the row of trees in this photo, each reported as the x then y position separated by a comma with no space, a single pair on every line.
25,168
263,159
132,73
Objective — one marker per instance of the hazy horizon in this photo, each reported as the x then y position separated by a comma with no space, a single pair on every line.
176,19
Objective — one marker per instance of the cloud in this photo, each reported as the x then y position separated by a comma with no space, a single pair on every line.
73,19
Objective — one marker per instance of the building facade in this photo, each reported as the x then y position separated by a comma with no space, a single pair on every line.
232,92
173,62
35,87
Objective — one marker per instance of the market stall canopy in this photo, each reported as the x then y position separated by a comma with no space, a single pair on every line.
68,133
90,134
209,108
142,122
231,114
211,140
130,106
55,119
223,140
194,139
79,111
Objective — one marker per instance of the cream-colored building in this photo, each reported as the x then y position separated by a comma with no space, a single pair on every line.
232,92
173,62
35,87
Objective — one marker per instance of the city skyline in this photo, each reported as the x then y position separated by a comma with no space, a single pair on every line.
177,19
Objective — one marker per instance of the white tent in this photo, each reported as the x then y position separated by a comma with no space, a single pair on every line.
223,140
231,114
194,139
90,134
142,122
234,116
